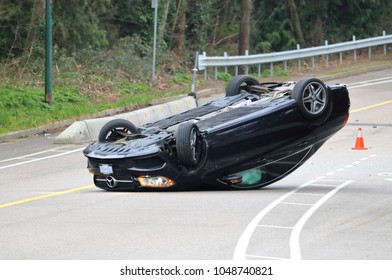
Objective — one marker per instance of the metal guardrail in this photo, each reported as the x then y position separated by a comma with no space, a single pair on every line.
246,60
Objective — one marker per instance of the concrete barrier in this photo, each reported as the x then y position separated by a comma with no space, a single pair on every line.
88,130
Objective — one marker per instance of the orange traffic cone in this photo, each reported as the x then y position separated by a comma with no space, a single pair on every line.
359,144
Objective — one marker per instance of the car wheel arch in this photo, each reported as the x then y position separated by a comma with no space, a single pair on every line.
116,129
239,82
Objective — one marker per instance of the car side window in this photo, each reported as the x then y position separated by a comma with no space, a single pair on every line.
252,176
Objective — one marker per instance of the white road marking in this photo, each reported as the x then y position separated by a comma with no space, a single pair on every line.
295,203
271,226
31,155
323,185
265,257
370,83
295,251
39,159
243,242
310,194
386,174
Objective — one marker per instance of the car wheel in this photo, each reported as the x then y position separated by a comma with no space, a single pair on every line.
313,99
240,82
188,144
115,130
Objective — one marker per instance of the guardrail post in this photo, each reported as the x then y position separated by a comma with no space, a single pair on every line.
355,52
299,60
341,57
313,64
385,46
246,67
225,55
326,56
285,65
259,70
271,69
205,70
370,53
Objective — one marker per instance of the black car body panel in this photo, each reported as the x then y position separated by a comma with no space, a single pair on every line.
246,140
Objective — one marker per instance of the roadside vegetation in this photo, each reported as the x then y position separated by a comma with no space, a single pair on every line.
23,106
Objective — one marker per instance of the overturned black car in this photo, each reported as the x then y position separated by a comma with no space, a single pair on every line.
253,136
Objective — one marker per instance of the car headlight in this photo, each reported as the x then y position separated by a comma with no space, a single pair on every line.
155,181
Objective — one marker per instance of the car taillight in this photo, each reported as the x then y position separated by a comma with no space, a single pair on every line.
346,119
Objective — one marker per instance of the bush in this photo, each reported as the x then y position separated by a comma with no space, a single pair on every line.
222,76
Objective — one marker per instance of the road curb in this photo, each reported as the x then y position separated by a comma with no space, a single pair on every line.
88,130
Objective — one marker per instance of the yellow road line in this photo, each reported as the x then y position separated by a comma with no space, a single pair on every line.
17,202
371,106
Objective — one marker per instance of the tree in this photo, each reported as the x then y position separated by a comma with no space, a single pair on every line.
179,26
185,26
36,24
243,42
14,22
163,21
296,21
81,24
316,33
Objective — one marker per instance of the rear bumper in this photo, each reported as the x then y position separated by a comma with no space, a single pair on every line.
123,173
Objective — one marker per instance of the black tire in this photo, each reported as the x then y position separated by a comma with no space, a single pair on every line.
188,144
240,82
313,99
115,130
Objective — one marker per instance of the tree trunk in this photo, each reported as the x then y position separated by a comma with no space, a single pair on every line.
296,22
316,24
162,27
37,16
243,43
179,26
180,40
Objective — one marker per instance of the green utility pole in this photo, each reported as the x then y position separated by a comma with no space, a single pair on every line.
48,52
154,5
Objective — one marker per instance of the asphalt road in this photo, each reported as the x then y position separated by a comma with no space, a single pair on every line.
336,206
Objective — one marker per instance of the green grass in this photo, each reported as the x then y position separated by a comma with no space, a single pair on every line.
23,107
277,72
